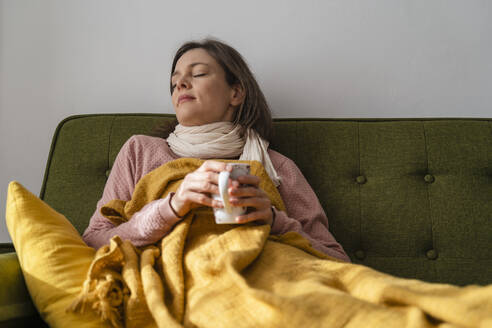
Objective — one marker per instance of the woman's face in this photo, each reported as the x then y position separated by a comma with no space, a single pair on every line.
200,93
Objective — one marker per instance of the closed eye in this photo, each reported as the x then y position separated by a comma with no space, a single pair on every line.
173,86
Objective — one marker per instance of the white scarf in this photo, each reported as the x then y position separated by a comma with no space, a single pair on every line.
221,140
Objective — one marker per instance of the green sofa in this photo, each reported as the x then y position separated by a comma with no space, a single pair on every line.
410,197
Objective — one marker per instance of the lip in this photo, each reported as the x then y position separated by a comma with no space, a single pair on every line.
183,98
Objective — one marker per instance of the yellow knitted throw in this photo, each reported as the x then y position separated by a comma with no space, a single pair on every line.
207,275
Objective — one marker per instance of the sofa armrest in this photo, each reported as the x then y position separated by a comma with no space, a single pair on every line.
15,302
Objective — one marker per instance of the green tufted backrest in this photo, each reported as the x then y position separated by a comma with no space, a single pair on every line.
410,197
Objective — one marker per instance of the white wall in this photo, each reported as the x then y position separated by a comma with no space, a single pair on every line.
339,58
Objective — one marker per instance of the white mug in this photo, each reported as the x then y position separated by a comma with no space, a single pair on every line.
228,214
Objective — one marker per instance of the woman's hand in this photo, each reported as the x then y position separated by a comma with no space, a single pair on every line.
252,196
197,188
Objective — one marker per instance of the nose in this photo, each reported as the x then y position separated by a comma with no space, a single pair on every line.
182,82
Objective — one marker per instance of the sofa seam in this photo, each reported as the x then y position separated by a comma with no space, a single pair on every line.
297,138
359,187
433,235
490,126
109,141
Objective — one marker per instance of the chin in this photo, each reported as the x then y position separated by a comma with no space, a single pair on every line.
190,122
186,120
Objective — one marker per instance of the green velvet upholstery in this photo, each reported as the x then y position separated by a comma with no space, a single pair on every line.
410,197
16,307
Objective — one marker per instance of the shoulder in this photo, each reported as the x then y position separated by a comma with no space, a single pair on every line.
139,140
142,148
141,144
145,153
280,161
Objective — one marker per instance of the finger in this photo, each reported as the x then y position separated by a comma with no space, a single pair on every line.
246,192
254,216
202,182
203,186
215,166
203,199
249,180
255,202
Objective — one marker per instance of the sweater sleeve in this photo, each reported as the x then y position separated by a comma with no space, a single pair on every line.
304,214
146,226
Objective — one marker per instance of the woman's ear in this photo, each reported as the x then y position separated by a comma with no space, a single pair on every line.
238,95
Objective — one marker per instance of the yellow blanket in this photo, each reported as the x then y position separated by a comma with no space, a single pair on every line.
207,275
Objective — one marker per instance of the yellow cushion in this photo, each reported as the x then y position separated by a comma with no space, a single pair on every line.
53,257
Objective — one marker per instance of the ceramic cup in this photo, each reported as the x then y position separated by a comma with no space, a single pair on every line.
228,213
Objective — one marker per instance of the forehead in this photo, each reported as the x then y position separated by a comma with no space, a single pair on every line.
193,56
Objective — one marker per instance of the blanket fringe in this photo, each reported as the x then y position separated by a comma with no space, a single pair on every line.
104,291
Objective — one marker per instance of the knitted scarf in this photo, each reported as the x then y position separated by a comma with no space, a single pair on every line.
221,140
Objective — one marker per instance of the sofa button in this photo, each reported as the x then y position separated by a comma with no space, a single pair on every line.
108,171
431,254
429,178
361,179
360,254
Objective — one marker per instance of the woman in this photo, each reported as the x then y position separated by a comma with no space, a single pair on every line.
222,113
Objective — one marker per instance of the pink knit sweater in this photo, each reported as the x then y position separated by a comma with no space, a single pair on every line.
141,154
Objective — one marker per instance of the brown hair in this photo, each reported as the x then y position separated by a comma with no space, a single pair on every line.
254,111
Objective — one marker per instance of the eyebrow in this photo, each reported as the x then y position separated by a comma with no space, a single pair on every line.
191,65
